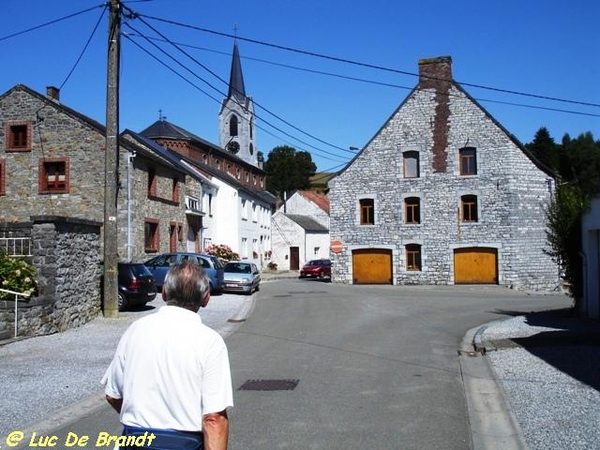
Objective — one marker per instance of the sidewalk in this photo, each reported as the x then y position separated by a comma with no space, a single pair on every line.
546,370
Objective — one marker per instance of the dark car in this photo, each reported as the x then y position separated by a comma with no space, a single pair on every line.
136,285
160,265
241,276
316,268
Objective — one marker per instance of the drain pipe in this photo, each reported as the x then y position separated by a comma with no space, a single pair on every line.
130,158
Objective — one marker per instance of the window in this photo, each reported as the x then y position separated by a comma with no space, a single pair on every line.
18,136
151,235
412,210
244,210
210,205
413,257
175,196
54,176
367,211
468,208
468,161
2,177
233,125
411,164
151,182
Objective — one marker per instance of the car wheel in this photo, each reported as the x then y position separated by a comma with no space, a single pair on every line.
321,274
122,302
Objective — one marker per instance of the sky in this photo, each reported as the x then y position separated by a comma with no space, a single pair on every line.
324,75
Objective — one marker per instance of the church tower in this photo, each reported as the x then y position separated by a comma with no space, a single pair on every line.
236,118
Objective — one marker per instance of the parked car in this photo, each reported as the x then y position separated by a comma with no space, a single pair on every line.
316,268
241,276
136,285
160,265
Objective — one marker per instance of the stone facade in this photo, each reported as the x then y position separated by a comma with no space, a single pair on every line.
509,190
66,255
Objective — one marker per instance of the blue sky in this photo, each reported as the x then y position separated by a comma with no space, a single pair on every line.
547,48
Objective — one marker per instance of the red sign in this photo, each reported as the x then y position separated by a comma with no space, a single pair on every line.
336,246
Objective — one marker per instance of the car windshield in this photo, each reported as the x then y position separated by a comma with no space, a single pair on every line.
237,268
315,262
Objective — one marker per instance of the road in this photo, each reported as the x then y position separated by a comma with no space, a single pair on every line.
376,366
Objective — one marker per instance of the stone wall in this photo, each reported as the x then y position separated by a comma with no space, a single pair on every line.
66,255
511,190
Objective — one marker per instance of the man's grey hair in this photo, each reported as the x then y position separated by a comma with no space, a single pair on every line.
186,285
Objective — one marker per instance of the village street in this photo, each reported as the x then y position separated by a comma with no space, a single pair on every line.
348,366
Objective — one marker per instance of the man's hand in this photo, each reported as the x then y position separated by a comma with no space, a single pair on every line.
215,427
116,403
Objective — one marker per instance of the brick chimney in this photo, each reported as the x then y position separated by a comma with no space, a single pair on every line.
53,93
434,70
436,74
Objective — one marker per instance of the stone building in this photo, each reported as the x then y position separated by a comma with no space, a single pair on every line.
52,163
442,194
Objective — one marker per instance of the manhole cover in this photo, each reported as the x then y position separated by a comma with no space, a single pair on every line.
269,385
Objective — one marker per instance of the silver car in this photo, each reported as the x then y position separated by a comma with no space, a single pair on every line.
241,276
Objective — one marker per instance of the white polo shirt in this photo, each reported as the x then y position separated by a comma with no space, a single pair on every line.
170,369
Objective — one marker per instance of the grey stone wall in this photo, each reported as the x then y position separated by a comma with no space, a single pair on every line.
66,255
511,190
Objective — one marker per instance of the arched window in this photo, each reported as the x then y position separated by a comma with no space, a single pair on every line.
233,125
251,148
251,130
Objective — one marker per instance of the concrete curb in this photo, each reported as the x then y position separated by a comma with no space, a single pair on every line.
492,421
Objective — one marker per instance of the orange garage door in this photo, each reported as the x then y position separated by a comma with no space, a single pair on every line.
372,266
476,265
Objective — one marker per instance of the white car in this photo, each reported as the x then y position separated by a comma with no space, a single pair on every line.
241,276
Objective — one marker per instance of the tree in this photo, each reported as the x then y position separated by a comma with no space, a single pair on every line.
544,149
578,165
564,234
288,170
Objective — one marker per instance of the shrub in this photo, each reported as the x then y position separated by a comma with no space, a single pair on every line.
16,275
272,266
222,251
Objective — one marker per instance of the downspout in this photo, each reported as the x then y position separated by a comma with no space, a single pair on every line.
130,158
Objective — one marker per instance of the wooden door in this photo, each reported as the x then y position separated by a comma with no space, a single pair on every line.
372,266
476,265
294,258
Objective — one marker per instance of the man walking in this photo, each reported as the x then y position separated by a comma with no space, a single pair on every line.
170,374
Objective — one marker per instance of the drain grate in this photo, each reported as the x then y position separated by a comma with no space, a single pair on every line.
269,385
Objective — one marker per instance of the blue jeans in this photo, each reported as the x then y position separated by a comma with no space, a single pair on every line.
141,438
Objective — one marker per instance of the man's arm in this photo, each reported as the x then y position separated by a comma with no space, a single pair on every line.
116,403
215,427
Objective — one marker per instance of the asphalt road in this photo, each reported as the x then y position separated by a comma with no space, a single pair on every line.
376,366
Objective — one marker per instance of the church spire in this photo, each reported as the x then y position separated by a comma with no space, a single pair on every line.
236,78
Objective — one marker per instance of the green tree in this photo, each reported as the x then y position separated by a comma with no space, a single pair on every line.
578,166
544,149
288,170
564,233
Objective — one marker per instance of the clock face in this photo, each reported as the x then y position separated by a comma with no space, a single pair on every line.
233,147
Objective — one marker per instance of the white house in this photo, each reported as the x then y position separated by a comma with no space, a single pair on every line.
300,230
590,245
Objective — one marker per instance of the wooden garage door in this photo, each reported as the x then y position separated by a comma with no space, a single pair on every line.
476,266
372,266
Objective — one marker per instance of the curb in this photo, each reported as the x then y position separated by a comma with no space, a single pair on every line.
492,421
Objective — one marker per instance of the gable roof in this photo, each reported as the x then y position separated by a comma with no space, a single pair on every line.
455,84
321,200
308,223
57,106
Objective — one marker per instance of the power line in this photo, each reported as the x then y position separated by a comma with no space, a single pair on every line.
367,65
223,94
52,22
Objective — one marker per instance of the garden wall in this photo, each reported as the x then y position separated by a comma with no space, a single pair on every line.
66,254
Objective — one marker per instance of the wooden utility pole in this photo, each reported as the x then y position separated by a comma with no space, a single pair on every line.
111,168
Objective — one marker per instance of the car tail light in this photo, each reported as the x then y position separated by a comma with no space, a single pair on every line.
134,283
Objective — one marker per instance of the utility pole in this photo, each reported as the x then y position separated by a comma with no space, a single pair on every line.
111,168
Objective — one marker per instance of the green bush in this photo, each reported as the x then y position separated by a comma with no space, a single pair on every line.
16,275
